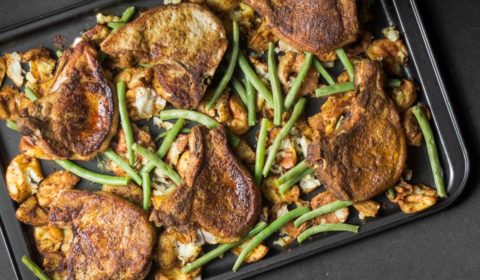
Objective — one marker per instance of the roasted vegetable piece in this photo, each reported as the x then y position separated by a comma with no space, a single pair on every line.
23,176
11,103
322,199
53,185
31,213
413,133
393,54
48,239
255,255
272,192
130,192
414,198
367,209
405,95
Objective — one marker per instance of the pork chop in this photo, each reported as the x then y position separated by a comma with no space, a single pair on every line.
316,26
112,239
78,116
184,44
366,154
218,194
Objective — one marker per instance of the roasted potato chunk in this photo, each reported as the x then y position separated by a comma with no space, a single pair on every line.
23,176
324,198
119,145
178,147
130,192
393,54
174,248
54,184
413,133
11,103
48,239
271,192
260,37
405,95
367,209
245,153
31,213
414,198
255,255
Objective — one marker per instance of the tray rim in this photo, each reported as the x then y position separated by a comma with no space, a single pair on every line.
313,247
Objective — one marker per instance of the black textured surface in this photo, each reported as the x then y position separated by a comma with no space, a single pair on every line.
443,246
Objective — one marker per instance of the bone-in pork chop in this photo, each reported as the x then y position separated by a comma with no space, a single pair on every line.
78,117
317,26
218,194
112,239
366,154
184,43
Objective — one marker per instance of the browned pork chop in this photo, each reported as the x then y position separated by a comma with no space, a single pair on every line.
366,154
112,239
78,117
316,26
184,43
218,193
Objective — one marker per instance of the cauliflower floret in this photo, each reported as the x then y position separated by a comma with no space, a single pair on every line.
367,209
31,213
11,103
414,198
14,68
288,67
413,133
309,183
325,198
405,95
23,176
393,54
272,193
255,255
48,239
288,233
106,19
391,33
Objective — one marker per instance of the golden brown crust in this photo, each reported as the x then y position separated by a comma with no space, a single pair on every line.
79,116
184,43
112,238
367,154
218,193
316,26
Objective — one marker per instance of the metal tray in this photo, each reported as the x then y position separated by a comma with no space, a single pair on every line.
422,68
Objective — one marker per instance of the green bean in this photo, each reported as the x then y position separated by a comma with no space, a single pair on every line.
34,268
393,83
283,188
292,173
297,112
238,87
230,68
297,83
265,233
260,151
31,94
346,62
12,125
221,249
326,227
432,150
328,208
166,144
125,121
254,79
320,69
391,193
162,135
196,117
115,24
251,100
160,164
128,14
92,176
334,89
145,65
275,84
147,190
118,160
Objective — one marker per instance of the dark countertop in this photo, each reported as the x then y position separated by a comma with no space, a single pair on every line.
443,246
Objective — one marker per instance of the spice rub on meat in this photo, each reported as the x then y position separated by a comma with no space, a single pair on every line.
78,116
218,194
366,153
184,44
316,26
112,239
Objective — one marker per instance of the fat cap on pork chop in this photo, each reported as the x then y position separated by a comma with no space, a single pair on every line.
112,239
316,26
78,116
184,43
367,153
218,194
